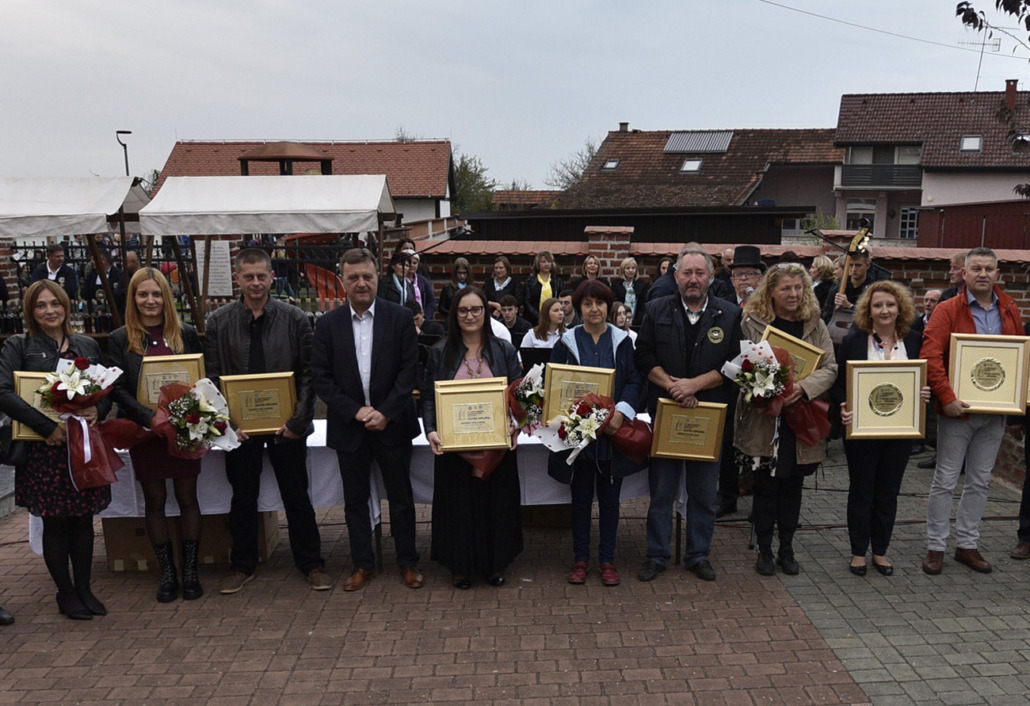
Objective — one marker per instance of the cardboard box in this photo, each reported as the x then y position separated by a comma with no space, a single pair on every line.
129,548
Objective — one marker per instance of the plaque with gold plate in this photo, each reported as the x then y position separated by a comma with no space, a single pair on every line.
158,370
806,357
259,403
563,384
688,434
883,396
990,372
472,415
26,385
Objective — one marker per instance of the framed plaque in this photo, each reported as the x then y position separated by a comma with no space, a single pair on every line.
564,383
259,404
27,386
884,397
990,372
472,415
806,356
158,370
693,434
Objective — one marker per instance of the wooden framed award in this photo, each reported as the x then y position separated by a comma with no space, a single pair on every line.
26,385
261,403
806,357
688,434
563,384
158,370
990,372
472,415
884,399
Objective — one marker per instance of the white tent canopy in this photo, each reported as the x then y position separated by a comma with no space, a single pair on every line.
268,204
31,207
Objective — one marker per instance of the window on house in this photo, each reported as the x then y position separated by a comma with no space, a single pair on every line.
691,166
859,209
611,164
971,143
860,154
907,154
909,223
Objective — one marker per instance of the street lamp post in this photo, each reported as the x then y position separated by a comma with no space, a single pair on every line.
118,136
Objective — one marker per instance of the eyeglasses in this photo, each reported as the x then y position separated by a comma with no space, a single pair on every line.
466,312
746,275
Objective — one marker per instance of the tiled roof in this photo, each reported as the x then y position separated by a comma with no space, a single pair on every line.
457,246
525,198
418,169
937,121
647,177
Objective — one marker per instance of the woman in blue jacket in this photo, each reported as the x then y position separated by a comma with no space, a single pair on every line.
597,344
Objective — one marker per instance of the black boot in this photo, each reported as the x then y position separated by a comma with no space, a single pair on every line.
169,586
191,588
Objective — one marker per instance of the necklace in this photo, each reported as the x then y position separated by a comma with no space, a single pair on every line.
479,367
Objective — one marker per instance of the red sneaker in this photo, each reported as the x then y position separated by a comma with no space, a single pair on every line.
578,575
609,575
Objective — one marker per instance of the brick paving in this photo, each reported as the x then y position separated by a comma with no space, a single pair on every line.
825,636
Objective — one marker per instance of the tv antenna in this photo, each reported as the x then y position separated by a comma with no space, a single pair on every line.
994,44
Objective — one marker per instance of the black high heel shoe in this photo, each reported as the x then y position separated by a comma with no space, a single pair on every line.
885,569
69,604
92,603
461,582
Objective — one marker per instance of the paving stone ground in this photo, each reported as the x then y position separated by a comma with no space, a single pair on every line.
825,636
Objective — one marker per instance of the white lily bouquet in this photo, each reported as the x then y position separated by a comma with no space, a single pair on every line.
526,399
194,419
758,370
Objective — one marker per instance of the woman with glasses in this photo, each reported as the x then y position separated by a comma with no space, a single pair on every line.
783,300
477,525
543,284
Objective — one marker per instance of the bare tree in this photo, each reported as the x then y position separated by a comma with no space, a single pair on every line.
566,172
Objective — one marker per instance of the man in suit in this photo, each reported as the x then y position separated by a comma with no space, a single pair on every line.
930,301
55,269
253,335
91,285
363,365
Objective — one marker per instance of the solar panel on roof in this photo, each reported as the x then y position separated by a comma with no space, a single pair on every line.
699,141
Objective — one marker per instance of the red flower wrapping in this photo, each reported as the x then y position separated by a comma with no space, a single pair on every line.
100,469
633,440
483,462
808,419
163,426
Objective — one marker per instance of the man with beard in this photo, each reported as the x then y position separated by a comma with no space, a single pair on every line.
683,342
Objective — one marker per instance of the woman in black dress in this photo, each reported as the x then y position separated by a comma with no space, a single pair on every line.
461,274
42,483
477,525
152,328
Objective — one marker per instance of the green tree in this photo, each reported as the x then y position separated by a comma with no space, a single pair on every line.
473,189
566,172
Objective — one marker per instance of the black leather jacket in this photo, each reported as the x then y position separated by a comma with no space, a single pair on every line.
286,341
39,354
125,386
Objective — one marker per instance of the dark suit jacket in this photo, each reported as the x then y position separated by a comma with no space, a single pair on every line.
388,291
90,288
66,273
855,346
334,375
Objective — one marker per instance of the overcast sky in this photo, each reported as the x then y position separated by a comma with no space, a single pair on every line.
521,85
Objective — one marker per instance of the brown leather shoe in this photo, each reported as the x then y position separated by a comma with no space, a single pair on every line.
933,563
411,577
1021,551
358,579
973,559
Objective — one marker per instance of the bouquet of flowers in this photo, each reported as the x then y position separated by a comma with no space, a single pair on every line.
526,399
586,418
194,419
74,386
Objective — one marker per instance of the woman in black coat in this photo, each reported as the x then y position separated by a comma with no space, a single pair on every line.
394,285
42,483
875,466
543,284
461,277
501,285
152,328
629,289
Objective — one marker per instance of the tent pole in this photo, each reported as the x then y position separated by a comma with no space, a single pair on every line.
150,252
207,269
187,287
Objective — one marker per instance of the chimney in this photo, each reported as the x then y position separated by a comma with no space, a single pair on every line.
624,127
1010,92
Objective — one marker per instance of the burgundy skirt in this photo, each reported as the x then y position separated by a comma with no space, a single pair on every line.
151,462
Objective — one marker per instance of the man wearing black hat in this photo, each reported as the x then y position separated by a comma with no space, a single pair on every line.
745,272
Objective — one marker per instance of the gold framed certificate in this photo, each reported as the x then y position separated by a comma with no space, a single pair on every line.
27,385
806,356
564,383
472,415
990,372
883,396
260,403
158,370
693,434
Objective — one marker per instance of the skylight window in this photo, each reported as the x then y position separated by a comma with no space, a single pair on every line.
611,164
691,166
971,143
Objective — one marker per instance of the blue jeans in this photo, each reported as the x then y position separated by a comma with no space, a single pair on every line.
702,481
588,474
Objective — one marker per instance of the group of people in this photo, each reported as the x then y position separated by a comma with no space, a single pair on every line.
362,361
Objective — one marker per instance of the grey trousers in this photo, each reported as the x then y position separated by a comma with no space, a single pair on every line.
976,442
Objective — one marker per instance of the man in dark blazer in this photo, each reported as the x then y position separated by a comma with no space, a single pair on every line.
91,286
363,365
55,269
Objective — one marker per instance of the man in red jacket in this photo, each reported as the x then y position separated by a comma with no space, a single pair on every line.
982,308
